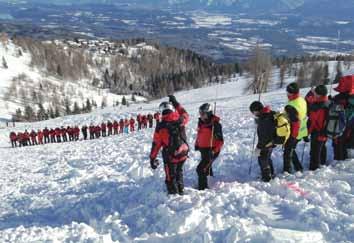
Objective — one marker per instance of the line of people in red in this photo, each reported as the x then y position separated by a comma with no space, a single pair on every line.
58,135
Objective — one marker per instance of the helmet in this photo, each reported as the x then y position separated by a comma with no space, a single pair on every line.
256,106
165,107
206,108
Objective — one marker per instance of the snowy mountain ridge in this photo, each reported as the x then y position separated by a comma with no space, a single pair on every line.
104,191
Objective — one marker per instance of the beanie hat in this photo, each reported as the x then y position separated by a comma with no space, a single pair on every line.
256,106
293,88
321,90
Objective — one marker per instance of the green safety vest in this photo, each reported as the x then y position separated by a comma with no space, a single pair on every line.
301,106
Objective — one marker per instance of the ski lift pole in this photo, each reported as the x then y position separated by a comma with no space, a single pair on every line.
255,131
337,46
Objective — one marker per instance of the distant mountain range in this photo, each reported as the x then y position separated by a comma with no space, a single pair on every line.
327,7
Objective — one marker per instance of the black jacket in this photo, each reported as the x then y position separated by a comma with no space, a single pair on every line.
266,128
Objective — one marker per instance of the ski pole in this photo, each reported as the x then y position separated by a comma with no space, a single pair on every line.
337,45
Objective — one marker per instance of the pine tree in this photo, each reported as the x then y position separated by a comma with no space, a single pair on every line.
18,115
57,111
67,105
76,108
124,101
133,98
59,71
41,114
4,63
339,74
29,113
88,107
326,74
51,113
104,102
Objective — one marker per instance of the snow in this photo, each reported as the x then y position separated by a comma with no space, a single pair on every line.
207,20
104,191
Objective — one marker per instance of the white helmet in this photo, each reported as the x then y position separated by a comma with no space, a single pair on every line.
165,107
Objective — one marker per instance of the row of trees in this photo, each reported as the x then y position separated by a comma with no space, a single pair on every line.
125,72
309,71
37,112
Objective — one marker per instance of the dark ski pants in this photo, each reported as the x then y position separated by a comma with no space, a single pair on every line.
204,168
52,139
46,139
14,144
339,148
290,157
174,176
318,153
65,138
266,164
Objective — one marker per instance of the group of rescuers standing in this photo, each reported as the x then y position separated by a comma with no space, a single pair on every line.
305,117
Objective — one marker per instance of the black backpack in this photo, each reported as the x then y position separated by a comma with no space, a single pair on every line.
178,147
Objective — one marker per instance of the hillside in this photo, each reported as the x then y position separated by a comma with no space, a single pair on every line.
104,191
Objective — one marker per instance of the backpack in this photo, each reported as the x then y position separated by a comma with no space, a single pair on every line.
336,121
178,147
350,111
282,128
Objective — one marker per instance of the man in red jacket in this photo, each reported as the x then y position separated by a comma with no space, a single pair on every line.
209,142
52,135
132,124
58,134
115,127
121,125
144,121
150,119
110,128
171,136
33,136
13,139
157,117
139,120
46,135
104,129
317,113
40,136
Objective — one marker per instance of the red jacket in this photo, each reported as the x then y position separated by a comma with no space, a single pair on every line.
204,134
115,125
46,132
317,113
161,136
40,135
132,122
13,136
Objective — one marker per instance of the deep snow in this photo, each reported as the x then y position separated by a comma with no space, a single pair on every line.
104,191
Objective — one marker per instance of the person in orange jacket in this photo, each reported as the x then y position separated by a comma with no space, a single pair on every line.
13,139
121,125
40,136
132,124
209,143
170,135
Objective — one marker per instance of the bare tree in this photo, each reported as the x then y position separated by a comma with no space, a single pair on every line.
260,67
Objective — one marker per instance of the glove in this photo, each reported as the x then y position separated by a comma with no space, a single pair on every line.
196,148
173,100
306,139
257,152
154,163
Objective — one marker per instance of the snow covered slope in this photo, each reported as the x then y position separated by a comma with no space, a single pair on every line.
104,191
